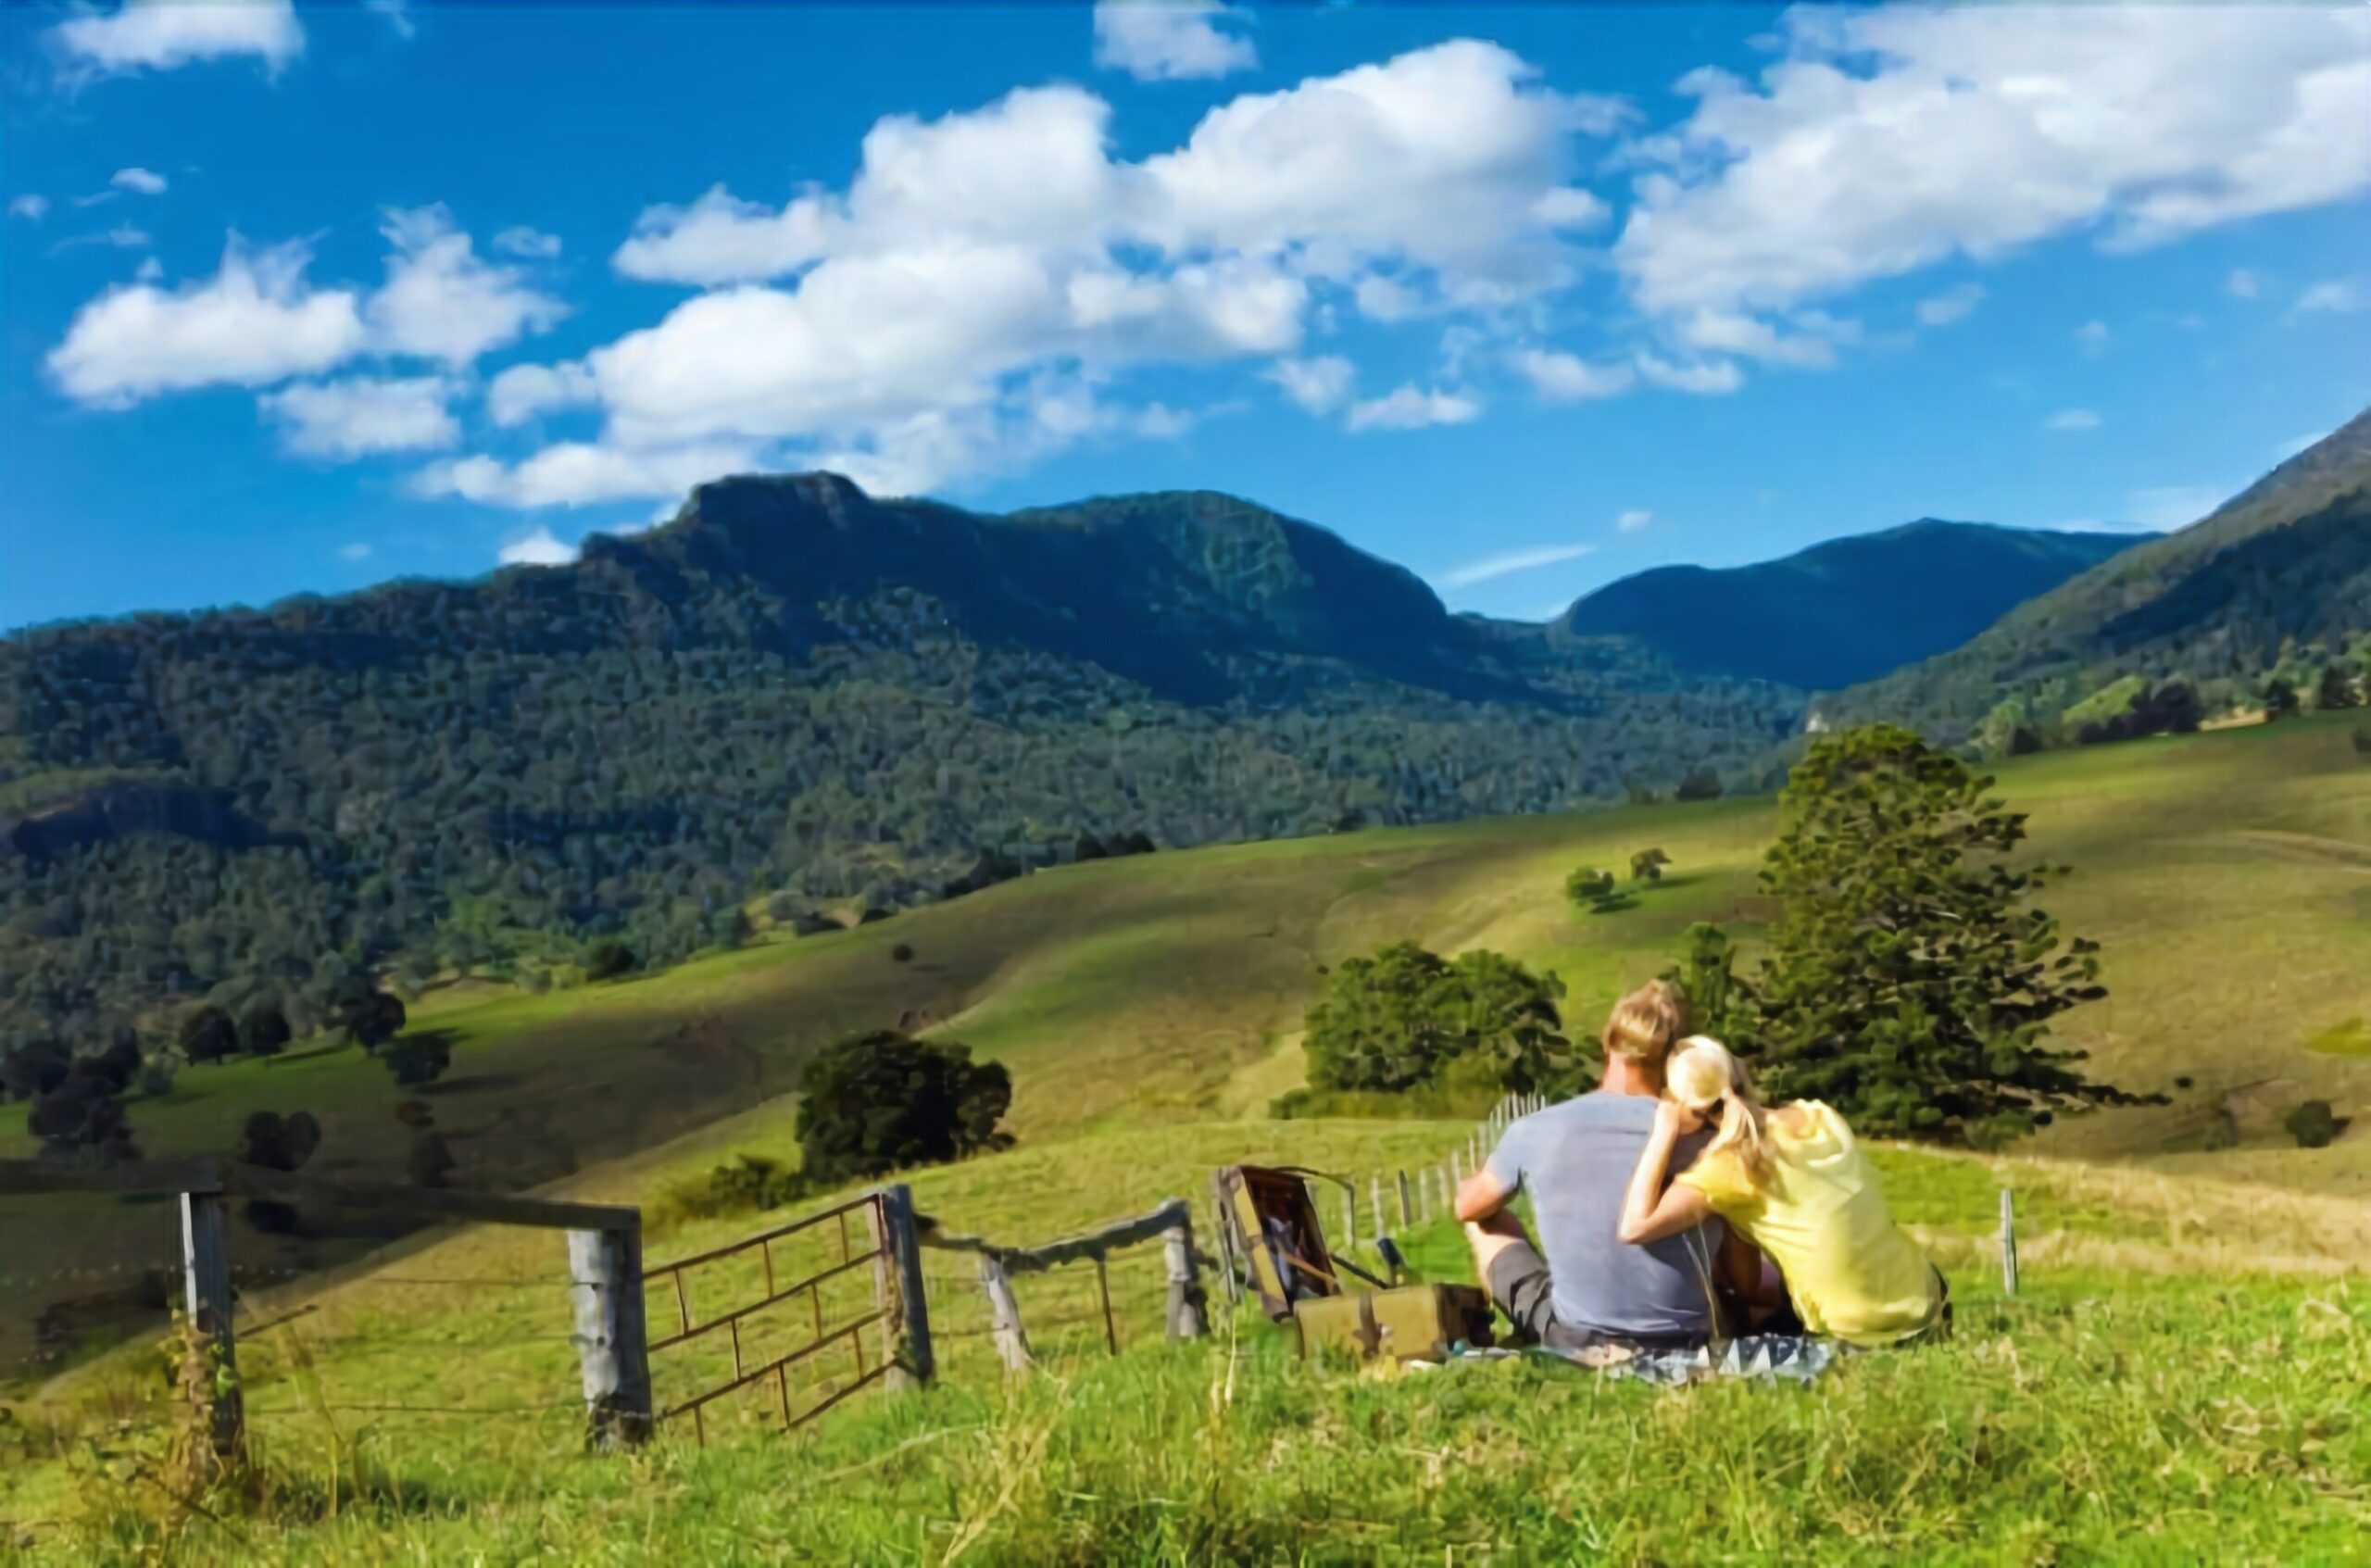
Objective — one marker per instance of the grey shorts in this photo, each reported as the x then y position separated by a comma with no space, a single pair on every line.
1520,1286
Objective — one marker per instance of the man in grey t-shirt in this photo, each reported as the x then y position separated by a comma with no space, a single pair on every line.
1574,1158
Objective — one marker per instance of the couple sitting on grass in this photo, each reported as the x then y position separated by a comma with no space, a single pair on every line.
1675,1209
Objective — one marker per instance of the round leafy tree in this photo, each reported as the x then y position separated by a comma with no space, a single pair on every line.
209,1035
1909,983
1588,885
1398,1020
877,1103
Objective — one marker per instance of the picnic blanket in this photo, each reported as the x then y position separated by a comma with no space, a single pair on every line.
1791,1358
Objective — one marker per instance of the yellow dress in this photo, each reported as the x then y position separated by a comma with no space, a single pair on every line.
1821,1217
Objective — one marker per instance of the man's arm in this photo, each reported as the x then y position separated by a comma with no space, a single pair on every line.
1482,1195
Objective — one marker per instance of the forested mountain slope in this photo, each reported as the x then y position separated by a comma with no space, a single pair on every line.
1846,610
2285,562
791,695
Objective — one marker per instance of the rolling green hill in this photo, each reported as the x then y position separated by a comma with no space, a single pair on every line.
1846,610
790,699
2227,876
2287,562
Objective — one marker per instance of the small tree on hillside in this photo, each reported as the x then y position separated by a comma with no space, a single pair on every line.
1647,865
875,1103
1907,984
1702,782
265,1031
209,1035
2336,688
2279,698
373,1017
1398,1020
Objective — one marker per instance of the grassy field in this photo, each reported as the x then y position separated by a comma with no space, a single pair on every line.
2227,876
2182,1379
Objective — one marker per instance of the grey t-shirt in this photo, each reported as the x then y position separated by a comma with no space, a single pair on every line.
1574,1158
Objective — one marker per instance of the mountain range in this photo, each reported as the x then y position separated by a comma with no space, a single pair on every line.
2280,570
1844,611
797,701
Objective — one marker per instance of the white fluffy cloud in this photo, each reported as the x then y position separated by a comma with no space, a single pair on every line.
1409,406
441,301
538,548
258,321
2338,295
533,244
1886,140
163,34
1567,378
522,392
1508,563
2092,337
30,206
359,416
1321,385
1951,305
578,473
1633,520
142,182
972,254
255,322
2073,419
1171,40
1707,378
2241,283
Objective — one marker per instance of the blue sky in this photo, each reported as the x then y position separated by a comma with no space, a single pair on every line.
300,299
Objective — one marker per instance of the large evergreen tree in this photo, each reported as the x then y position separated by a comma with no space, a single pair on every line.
1910,983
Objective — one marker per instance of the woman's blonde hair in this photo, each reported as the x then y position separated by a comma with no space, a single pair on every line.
1644,1023
1702,1075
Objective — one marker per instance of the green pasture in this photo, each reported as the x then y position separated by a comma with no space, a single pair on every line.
2182,1378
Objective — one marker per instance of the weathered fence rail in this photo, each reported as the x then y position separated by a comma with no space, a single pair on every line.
604,1279
1171,1224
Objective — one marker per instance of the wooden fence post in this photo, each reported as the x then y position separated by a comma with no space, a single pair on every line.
1004,1314
1184,1285
1349,1216
1374,1203
206,1275
898,1287
1226,1228
1407,1217
2008,1245
612,1337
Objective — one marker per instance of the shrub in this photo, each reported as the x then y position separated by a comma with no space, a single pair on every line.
419,1058
2313,1125
744,1185
2223,1131
1588,885
607,958
874,1103
1647,865
1702,783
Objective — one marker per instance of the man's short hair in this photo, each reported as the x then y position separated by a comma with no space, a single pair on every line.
1643,1024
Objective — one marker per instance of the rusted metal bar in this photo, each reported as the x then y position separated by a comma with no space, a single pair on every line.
793,1228
852,1329
1103,1287
784,1294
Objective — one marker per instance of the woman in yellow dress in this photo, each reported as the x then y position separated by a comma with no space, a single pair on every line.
1796,1183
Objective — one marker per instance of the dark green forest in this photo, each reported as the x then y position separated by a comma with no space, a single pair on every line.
793,703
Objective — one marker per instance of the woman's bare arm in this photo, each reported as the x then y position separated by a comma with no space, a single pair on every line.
1649,1210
